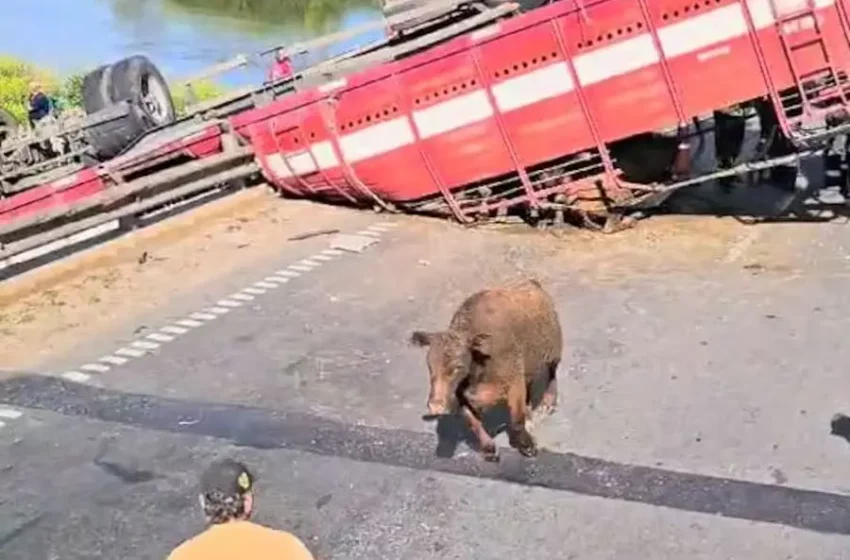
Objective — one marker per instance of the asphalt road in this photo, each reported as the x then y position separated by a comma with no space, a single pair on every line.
703,367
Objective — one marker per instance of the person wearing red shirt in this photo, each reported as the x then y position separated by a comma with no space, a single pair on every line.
281,68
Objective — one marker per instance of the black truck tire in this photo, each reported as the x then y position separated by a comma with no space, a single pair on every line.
96,86
138,80
110,138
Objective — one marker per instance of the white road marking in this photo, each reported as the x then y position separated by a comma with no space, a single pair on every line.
76,376
114,360
152,341
95,367
145,345
159,337
132,352
10,414
202,316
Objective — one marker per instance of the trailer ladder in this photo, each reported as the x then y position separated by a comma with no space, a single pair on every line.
797,113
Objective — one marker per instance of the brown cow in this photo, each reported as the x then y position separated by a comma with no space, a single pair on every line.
498,344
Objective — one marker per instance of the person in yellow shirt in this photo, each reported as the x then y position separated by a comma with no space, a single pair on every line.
227,498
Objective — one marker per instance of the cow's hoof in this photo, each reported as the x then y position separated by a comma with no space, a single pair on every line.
490,453
545,410
525,444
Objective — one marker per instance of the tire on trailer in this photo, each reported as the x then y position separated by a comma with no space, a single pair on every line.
96,89
138,80
110,138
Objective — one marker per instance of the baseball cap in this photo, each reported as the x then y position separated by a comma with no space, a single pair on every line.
228,477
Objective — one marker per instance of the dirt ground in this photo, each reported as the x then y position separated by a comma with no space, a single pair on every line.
48,312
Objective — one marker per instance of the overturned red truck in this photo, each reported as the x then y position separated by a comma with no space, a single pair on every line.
474,111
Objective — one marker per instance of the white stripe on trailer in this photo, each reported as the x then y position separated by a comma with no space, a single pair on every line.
460,111
529,88
376,140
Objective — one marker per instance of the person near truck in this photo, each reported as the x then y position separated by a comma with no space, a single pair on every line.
227,499
39,103
281,67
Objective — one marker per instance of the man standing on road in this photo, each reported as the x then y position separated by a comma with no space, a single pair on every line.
227,498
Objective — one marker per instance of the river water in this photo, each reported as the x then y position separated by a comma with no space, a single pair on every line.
180,36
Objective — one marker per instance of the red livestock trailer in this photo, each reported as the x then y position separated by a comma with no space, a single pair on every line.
582,107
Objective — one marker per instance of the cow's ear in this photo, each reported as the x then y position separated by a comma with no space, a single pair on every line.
422,338
481,347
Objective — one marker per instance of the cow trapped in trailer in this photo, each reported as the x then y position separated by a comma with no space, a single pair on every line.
499,344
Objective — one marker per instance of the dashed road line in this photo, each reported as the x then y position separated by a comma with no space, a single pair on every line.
76,376
202,316
131,352
159,337
144,345
95,367
115,360
170,332
191,323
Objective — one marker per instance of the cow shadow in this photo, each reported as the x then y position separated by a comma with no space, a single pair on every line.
840,426
452,430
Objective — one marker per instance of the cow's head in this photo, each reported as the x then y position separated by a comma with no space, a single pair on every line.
451,359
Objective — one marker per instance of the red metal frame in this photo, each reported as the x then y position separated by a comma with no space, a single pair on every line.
626,101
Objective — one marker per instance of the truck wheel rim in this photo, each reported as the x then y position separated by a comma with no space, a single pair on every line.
155,100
